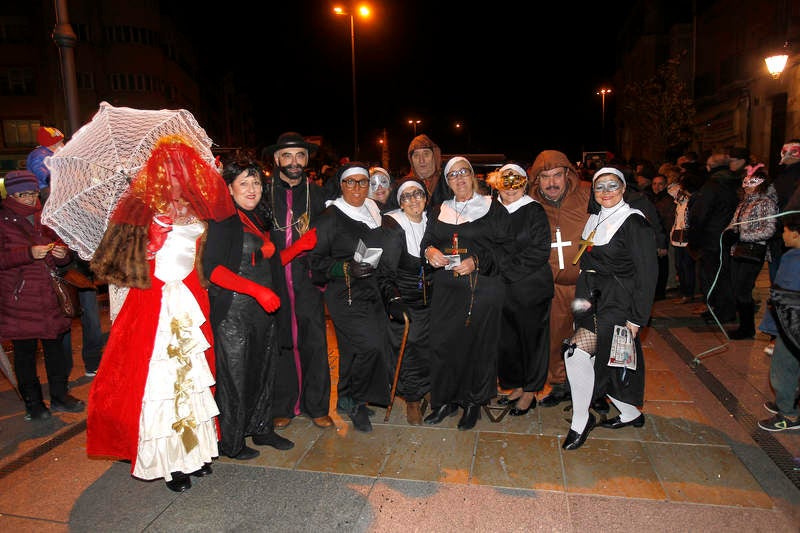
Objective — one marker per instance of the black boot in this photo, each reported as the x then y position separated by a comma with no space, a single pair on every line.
35,409
747,327
470,417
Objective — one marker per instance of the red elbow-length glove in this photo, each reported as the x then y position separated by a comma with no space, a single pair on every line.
265,296
303,244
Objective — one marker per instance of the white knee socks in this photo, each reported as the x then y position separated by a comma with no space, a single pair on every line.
627,412
580,374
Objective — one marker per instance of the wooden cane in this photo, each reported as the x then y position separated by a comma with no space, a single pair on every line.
397,368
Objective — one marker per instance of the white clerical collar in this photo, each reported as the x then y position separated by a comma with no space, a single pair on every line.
519,202
455,213
368,213
606,223
413,230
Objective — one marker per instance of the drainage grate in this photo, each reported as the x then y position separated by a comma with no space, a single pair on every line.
771,446
34,453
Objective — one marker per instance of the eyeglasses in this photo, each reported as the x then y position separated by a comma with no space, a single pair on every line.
30,194
408,196
350,183
607,186
460,173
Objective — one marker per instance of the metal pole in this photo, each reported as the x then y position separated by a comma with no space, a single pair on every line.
355,108
65,39
603,106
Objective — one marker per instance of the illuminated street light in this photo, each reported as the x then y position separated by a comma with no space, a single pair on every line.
364,12
777,62
603,92
414,124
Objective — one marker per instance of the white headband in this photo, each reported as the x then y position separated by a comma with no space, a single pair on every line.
353,170
405,185
609,170
516,168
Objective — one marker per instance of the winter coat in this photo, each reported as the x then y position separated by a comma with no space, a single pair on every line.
29,307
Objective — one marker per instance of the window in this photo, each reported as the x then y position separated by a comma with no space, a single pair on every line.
17,82
85,81
18,133
14,30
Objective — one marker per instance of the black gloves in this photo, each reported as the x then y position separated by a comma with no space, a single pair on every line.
396,309
359,270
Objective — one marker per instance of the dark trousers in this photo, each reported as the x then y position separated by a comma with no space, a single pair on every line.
91,331
687,271
714,274
663,273
57,364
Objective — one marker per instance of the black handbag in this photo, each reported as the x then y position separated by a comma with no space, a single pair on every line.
749,251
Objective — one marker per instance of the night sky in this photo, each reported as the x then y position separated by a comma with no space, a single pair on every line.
519,82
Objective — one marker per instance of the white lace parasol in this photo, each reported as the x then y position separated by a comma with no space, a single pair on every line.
92,170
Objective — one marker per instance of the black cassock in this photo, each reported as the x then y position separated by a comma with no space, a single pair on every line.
408,276
466,310
358,313
306,308
624,271
525,330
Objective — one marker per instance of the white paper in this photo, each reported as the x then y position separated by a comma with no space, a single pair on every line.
452,261
367,255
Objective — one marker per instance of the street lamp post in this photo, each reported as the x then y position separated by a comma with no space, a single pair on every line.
364,12
603,92
414,123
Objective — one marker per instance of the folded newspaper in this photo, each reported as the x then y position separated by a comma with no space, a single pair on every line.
367,255
623,352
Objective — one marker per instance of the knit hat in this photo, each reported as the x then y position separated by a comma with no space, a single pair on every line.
20,181
47,136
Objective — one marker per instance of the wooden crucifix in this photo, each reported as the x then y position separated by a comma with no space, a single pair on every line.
455,250
559,245
586,244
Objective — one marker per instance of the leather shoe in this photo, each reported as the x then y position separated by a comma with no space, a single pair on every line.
272,439
559,393
360,418
67,403
322,421
413,414
616,423
203,471
470,417
281,422
180,482
245,454
574,439
437,415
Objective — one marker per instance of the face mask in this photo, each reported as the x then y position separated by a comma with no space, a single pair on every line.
378,180
790,150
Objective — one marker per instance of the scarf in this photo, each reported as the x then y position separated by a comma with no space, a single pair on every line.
516,204
413,230
368,213
453,212
606,223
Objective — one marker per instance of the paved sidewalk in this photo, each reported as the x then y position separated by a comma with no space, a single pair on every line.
699,463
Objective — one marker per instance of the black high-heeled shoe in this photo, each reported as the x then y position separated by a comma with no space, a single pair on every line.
470,417
448,409
575,440
522,412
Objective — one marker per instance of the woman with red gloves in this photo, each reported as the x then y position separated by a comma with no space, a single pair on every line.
152,401
250,327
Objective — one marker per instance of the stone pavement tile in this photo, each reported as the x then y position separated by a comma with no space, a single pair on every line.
611,468
705,474
518,461
31,525
347,451
592,514
653,358
428,454
421,507
556,420
47,487
679,422
663,385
